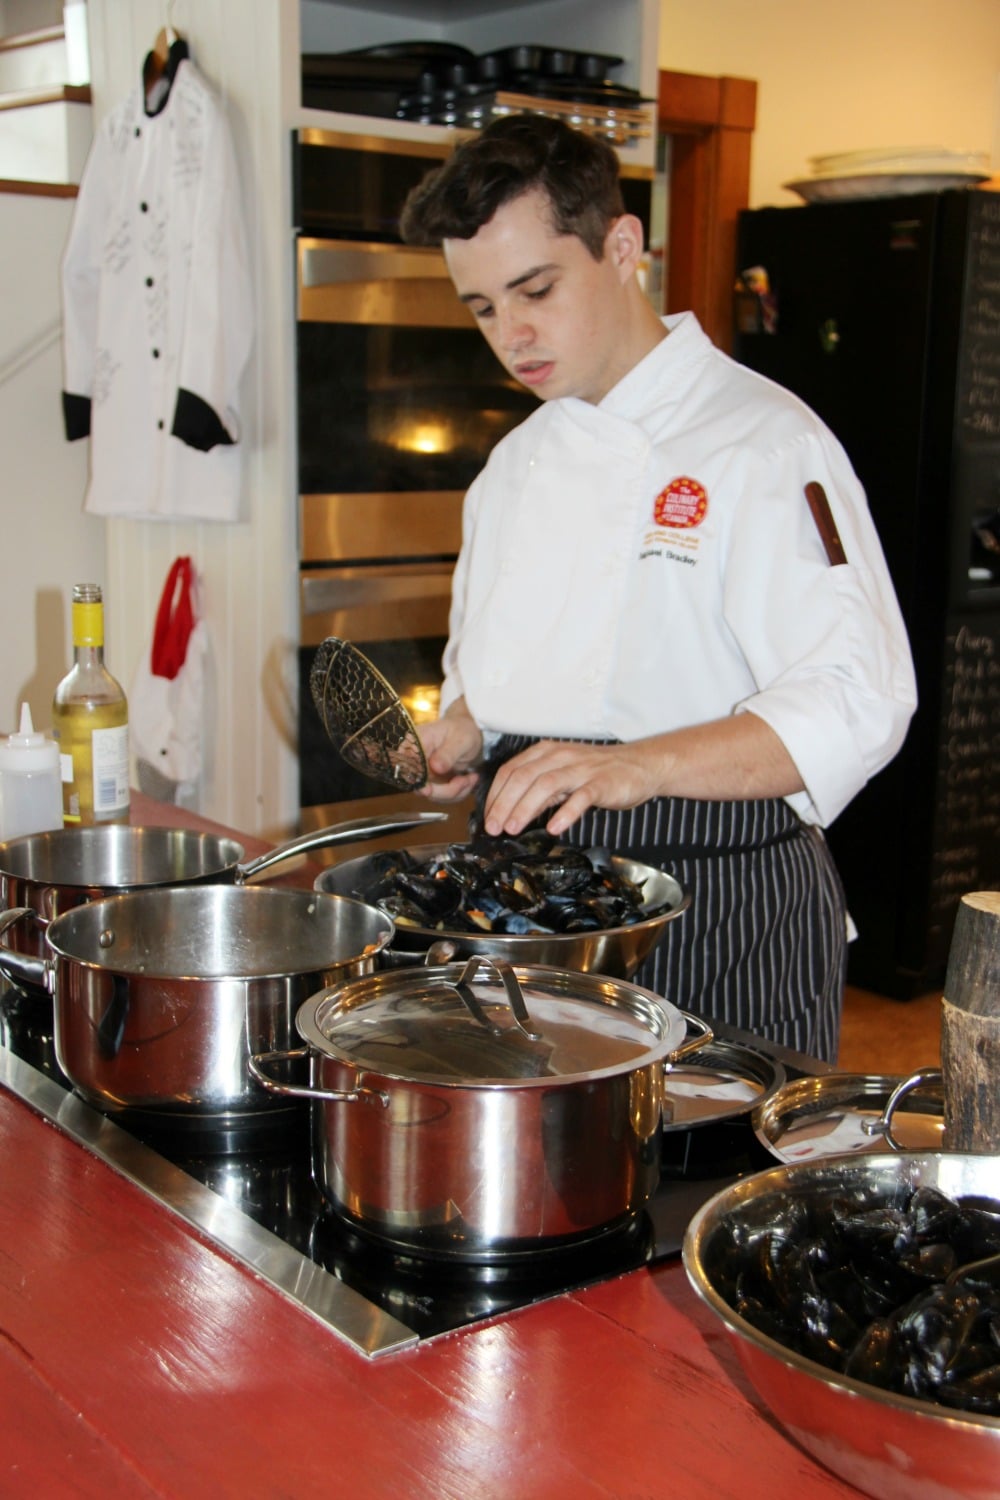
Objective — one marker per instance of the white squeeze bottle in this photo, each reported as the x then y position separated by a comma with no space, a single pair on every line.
30,784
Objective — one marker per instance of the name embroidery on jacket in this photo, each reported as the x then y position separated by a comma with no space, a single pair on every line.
678,511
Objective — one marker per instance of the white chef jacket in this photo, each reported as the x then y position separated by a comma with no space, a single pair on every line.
651,563
157,308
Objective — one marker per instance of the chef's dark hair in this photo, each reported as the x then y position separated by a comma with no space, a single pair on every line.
578,174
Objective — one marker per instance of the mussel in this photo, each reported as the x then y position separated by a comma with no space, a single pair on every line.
526,885
903,1294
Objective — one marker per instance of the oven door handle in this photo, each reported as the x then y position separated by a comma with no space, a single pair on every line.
331,263
324,593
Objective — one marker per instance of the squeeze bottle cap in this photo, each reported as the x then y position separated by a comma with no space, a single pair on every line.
27,749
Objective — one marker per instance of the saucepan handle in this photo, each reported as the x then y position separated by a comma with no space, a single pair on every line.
22,968
339,833
259,1061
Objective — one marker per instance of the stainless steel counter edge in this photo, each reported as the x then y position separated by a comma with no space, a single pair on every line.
339,1307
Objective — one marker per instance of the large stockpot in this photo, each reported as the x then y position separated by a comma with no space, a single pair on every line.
52,873
615,951
161,996
469,1110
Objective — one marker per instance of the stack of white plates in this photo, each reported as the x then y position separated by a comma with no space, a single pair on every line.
890,172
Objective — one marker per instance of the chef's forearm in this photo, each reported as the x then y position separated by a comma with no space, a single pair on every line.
727,760
735,758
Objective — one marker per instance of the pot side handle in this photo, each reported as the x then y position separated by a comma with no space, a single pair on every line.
338,833
702,1036
21,968
258,1061
923,1078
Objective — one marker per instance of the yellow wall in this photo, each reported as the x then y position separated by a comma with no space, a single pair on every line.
846,76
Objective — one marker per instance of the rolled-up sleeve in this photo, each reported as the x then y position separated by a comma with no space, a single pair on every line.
827,644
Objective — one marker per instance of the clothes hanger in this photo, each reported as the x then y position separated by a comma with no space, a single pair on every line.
165,39
155,68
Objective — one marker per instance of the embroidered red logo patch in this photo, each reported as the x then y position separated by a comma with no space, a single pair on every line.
683,503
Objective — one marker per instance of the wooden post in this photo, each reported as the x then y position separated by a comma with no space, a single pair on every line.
970,1027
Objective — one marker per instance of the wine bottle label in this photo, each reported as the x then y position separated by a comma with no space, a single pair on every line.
110,767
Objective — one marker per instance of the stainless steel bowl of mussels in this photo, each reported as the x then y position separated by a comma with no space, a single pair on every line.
862,1297
529,899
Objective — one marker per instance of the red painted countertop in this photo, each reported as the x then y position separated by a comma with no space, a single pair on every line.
137,1360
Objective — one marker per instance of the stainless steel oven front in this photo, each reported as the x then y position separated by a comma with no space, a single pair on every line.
399,402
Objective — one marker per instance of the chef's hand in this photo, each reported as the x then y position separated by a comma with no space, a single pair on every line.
452,744
569,777
734,758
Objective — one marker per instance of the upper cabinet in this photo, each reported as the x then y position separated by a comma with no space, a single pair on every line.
432,66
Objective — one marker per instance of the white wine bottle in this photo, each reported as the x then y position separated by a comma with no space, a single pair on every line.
90,721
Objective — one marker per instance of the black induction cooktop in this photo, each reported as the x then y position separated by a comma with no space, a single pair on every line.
253,1193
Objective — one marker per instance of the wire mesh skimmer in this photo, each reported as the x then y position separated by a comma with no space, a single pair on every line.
362,713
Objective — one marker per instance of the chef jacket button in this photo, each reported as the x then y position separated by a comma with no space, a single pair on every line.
138,131
156,353
144,208
160,424
149,281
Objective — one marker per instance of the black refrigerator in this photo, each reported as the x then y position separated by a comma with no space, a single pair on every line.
884,316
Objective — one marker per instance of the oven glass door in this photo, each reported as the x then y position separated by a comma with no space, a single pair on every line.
397,614
398,389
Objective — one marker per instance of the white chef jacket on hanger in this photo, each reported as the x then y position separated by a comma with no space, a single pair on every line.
158,309
651,563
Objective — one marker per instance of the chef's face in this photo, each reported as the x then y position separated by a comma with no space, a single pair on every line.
552,314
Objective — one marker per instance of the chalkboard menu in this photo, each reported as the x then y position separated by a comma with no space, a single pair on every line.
979,371
967,812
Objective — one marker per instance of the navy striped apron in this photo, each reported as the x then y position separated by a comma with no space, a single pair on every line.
763,945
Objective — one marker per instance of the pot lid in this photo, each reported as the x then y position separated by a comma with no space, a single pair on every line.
486,1022
811,1118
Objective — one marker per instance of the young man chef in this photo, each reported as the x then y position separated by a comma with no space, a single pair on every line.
646,631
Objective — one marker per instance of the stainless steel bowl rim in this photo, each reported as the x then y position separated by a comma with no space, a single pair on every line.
656,1014
678,901
889,1162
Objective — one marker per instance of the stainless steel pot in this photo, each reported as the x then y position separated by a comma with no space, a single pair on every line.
161,996
468,1110
55,872
616,951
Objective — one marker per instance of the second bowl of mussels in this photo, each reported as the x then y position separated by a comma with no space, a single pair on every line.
862,1298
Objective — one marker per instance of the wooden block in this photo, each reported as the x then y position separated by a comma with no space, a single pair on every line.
970,1027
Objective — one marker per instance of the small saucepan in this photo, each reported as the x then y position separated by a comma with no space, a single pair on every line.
52,873
161,996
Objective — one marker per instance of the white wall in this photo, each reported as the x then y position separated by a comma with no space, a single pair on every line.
248,569
28,15
845,75
47,543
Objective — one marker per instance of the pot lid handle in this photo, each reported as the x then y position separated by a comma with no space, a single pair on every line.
515,998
